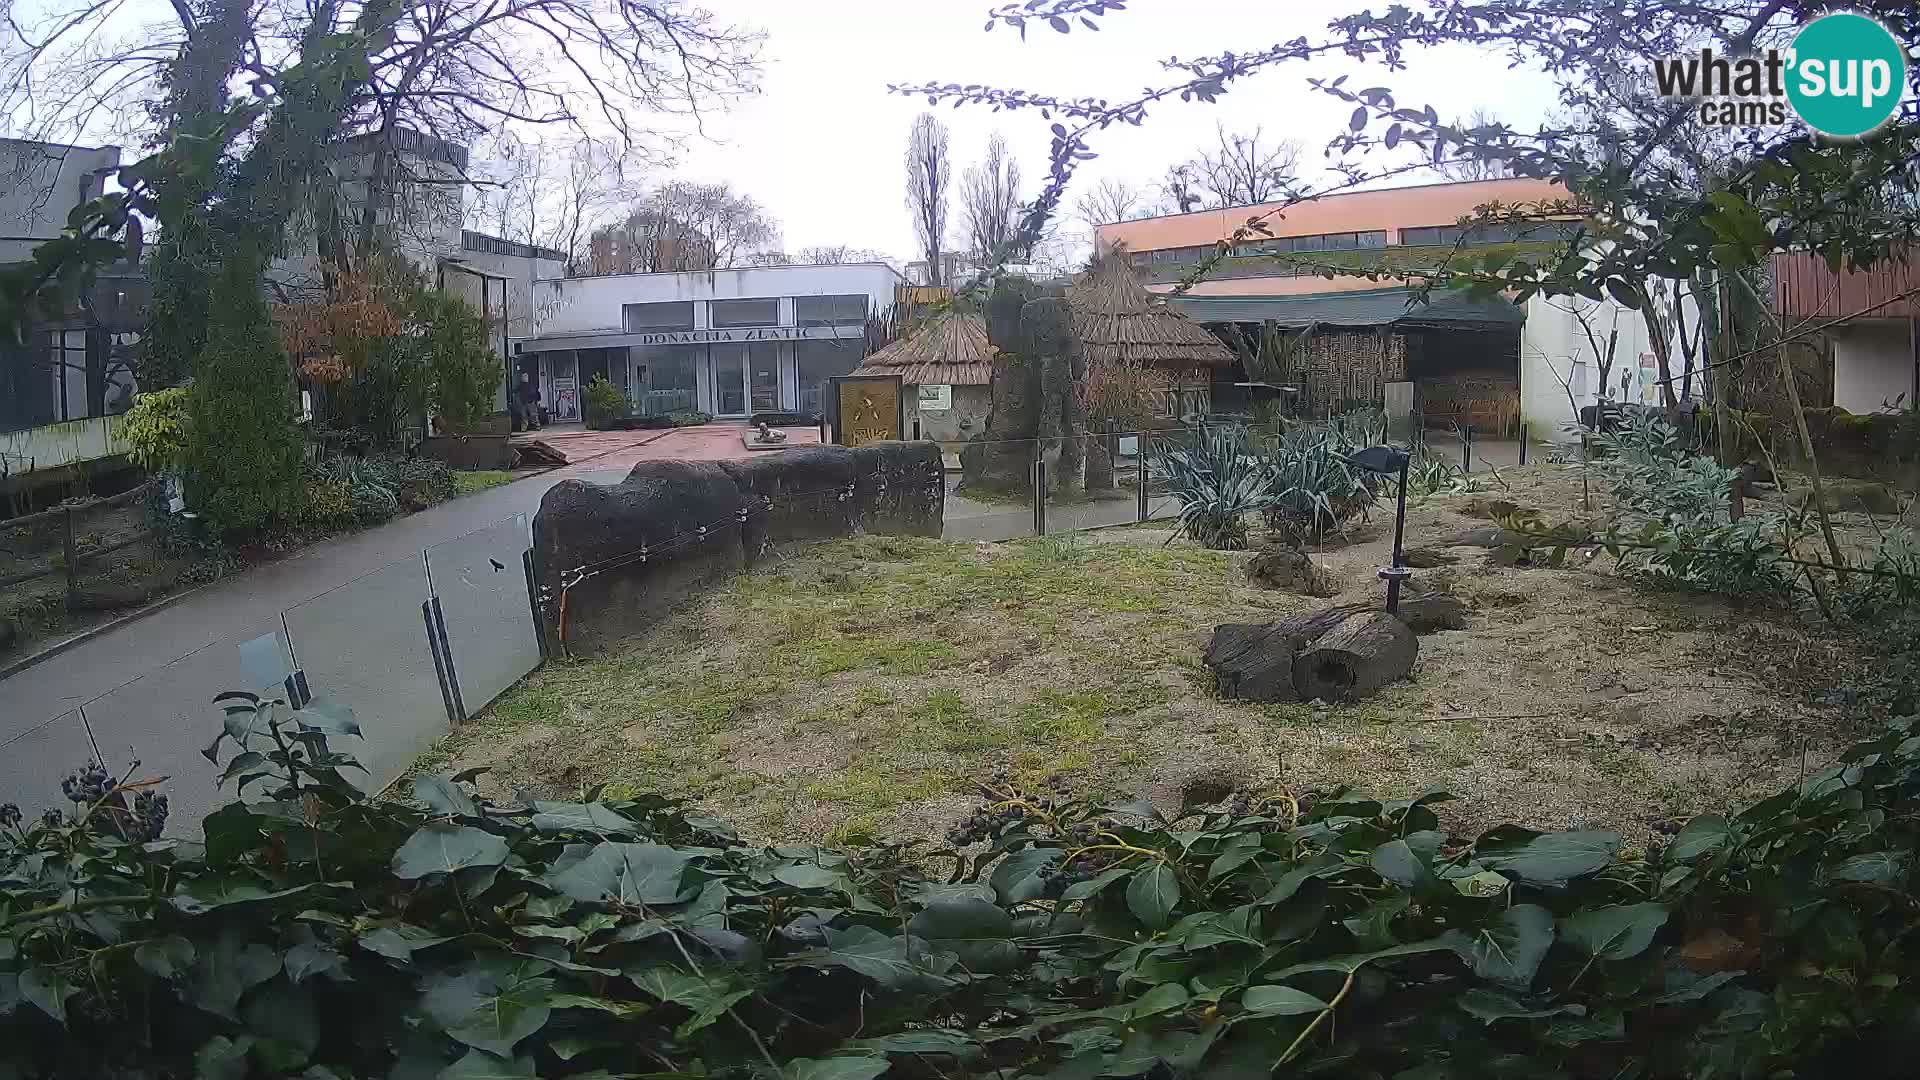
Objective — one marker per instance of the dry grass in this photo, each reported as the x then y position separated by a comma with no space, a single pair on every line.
851,689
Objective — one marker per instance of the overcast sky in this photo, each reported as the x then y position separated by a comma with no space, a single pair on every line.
822,146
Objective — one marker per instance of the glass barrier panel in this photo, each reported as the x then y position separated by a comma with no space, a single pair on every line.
991,497
166,718
364,645
1084,486
482,586
33,763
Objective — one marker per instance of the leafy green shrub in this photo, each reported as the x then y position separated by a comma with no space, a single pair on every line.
243,450
318,934
421,482
155,429
464,375
328,504
605,402
689,419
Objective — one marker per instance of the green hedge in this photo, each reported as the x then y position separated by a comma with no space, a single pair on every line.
320,935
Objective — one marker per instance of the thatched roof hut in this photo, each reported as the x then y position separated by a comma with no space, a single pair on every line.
949,349
1118,320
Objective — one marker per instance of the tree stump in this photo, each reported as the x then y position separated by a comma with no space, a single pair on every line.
1365,652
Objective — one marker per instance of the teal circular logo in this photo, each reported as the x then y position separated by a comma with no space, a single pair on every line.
1846,75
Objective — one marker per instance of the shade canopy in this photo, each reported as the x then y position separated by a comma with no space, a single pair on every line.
949,349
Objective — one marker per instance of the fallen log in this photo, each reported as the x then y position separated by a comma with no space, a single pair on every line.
1365,652
1260,661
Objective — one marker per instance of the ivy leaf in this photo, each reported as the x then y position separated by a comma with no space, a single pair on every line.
48,989
398,942
1398,863
439,848
979,933
1617,932
221,1058
478,1065
329,717
311,958
1509,948
580,817
1878,867
1164,997
895,963
1490,1005
708,998
1359,118
284,1015
922,1041
491,1005
229,969
1152,895
626,873
1545,857
837,1068
1017,878
1080,890
1703,834
807,876
444,797
1274,1000
164,958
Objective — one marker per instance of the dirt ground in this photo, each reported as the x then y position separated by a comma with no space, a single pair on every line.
853,689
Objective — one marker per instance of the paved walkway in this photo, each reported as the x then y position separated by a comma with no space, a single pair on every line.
35,702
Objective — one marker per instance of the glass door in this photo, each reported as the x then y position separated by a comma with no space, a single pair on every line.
729,380
764,366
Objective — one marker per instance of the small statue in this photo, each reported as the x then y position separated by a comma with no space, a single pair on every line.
766,434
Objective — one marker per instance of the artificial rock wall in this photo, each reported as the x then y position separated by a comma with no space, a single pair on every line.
623,555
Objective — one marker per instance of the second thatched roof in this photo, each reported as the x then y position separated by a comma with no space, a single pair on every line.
1120,321
951,348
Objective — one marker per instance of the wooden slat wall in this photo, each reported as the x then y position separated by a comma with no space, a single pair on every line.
1805,288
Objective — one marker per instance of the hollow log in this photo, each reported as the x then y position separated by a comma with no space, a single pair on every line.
1363,653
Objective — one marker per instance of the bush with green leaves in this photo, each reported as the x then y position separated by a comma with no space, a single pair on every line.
318,934
155,429
604,402
243,452
464,375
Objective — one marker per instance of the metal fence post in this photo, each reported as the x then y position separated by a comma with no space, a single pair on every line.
1040,497
1523,444
533,604
1466,448
443,660
73,586
1140,464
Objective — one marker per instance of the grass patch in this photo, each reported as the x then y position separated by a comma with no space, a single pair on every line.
474,480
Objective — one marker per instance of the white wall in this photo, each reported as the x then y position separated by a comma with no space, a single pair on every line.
586,305
40,183
1555,350
1873,365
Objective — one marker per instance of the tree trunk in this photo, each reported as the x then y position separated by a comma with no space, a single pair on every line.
1362,654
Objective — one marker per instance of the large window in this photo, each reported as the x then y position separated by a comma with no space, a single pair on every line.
664,378
1501,233
723,314
653,318
818,361
844,310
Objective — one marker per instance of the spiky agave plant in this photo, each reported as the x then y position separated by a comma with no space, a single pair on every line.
1315,490
1219,477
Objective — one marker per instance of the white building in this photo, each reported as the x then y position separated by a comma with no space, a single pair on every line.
729,343
40,184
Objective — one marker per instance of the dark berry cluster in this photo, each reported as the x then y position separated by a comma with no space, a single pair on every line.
51,819
89,784
149,816
9,815
986,824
